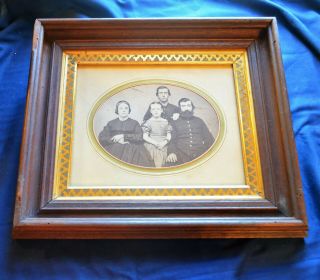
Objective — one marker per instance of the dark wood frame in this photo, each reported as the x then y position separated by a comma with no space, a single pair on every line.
280,214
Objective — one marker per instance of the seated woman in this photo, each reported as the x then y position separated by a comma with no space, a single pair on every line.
122,138
157,134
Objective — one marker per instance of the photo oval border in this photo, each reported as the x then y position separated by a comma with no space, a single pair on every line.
153,170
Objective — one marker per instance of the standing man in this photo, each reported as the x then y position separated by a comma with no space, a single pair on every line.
190,136
170,111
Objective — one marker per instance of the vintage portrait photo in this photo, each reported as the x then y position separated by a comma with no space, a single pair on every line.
147,125
155,125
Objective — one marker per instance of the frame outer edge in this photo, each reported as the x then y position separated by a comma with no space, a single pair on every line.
296,190
23,219
229,22
141,228
22,181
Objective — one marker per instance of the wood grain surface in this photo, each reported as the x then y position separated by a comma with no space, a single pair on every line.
280,214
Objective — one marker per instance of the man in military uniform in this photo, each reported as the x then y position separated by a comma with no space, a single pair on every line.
170,111
190,136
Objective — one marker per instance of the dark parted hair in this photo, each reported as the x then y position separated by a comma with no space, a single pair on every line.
184,99
163,87
148,115
122,101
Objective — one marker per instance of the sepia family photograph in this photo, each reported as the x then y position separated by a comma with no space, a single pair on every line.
156,125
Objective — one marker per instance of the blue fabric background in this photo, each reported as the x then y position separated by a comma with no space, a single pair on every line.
299,27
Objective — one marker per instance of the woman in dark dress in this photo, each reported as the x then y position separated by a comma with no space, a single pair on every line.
122,138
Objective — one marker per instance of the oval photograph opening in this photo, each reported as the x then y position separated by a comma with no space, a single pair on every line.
156,125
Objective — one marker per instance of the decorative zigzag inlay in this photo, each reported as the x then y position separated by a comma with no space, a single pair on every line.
65,144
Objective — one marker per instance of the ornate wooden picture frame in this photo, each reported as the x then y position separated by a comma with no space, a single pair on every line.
224,167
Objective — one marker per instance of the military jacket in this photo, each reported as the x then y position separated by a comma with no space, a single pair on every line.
190,138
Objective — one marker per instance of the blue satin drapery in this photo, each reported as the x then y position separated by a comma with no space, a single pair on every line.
299,28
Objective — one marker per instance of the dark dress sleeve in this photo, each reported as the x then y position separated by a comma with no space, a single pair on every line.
105,136
136,135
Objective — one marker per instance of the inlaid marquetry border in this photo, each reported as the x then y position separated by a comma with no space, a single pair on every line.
250,149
